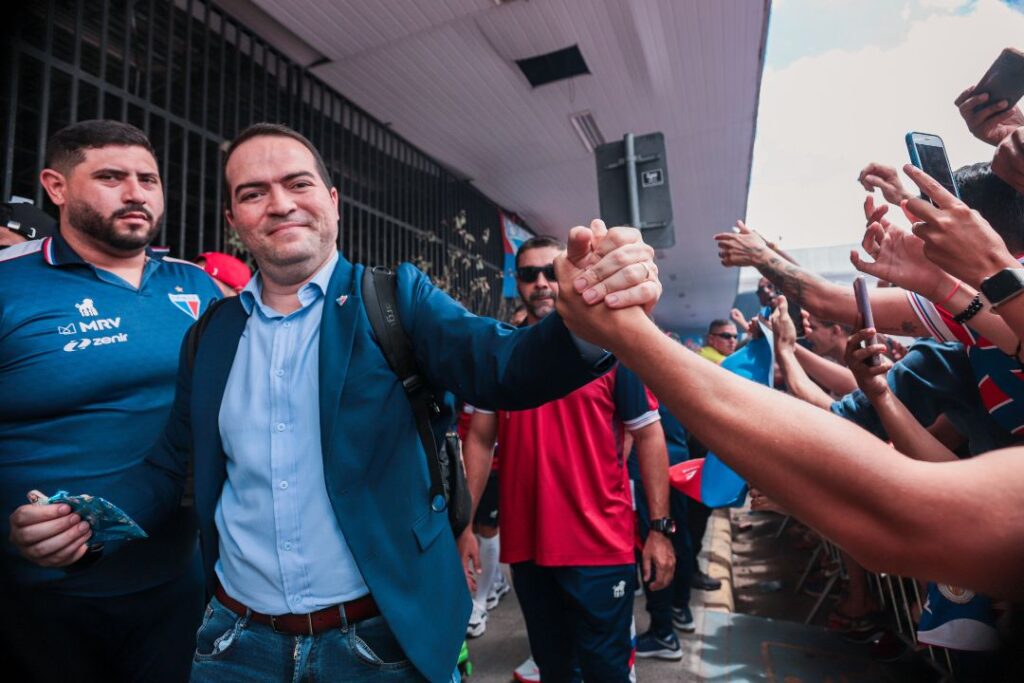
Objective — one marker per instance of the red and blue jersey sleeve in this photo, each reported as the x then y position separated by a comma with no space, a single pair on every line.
636,405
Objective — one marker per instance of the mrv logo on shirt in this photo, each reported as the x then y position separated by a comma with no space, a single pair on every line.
98,325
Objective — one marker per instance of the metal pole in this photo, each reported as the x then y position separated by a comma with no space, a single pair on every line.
634,200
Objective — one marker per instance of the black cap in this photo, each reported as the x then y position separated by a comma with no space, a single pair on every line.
27,220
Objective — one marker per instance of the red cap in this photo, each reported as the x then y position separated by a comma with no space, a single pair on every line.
229,270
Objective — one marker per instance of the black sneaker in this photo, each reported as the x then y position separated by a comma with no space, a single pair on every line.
682,619
703,582
666,647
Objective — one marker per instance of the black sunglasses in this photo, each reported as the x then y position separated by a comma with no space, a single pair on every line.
530,273
724,335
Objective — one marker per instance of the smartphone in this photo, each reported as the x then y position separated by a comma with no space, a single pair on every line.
928,153
1004,80
860,292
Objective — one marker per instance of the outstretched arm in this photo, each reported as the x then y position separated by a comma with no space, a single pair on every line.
830,473
908,435
832,376
797,381
826,300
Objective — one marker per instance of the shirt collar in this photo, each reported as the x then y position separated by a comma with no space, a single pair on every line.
252,293
57,252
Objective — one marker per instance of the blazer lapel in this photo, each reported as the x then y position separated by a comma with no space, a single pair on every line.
213,366
337,333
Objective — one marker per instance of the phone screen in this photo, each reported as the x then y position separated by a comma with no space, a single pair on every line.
928,153
933,162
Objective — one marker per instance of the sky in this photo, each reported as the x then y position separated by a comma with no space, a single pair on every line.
844,81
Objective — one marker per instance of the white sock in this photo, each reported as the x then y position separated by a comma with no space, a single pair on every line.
489,550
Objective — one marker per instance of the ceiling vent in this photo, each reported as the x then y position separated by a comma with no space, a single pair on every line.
586,128
553,66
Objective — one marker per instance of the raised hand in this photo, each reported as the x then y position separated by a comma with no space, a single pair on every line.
598,324
737,317
989,122
783,326
956,238
884,178
614,266
742,246
870,378
900,259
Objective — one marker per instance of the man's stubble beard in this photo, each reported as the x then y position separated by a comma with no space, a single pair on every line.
101,228
544,310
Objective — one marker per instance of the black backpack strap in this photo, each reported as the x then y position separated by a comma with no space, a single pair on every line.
191,348
196,331
380,287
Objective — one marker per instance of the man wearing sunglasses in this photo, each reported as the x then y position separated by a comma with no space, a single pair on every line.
567,522
720,341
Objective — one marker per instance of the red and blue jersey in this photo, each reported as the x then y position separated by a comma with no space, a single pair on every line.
1000,378
564,490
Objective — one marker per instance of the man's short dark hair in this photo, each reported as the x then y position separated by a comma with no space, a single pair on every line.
66,148
258,130
998,203
539,242
719,322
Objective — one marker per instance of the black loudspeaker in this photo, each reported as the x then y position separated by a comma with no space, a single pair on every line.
632,184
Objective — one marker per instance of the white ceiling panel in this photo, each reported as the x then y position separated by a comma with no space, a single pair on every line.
442,73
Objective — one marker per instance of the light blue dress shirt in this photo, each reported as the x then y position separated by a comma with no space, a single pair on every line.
281,549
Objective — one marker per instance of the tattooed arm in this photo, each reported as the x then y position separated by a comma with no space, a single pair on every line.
826,300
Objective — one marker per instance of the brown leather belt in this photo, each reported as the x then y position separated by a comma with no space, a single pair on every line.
305,624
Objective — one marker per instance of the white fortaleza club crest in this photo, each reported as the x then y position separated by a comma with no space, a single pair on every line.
341,299
188,304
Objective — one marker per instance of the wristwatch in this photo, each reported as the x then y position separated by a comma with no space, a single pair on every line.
1003,286
665,525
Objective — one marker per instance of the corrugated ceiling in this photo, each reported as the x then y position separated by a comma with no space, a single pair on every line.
442,73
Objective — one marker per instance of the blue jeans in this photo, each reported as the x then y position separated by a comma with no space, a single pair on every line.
230,648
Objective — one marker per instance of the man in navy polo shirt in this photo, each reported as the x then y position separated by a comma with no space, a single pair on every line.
91,321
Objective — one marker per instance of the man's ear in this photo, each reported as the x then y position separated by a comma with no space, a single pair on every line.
55,185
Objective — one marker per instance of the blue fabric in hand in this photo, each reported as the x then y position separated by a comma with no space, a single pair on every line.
108,522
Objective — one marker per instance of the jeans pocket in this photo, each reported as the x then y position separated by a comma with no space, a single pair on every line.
374,644
220,630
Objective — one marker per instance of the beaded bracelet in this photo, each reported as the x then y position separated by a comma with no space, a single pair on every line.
972,310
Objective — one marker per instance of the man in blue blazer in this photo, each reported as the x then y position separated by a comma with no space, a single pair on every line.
319,542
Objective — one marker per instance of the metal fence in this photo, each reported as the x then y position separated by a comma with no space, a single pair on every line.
192,77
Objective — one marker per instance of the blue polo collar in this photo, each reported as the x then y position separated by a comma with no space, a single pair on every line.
57,252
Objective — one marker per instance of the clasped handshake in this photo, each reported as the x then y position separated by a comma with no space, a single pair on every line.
607,283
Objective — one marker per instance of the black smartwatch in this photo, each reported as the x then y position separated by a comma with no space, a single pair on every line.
1003,286
665,525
